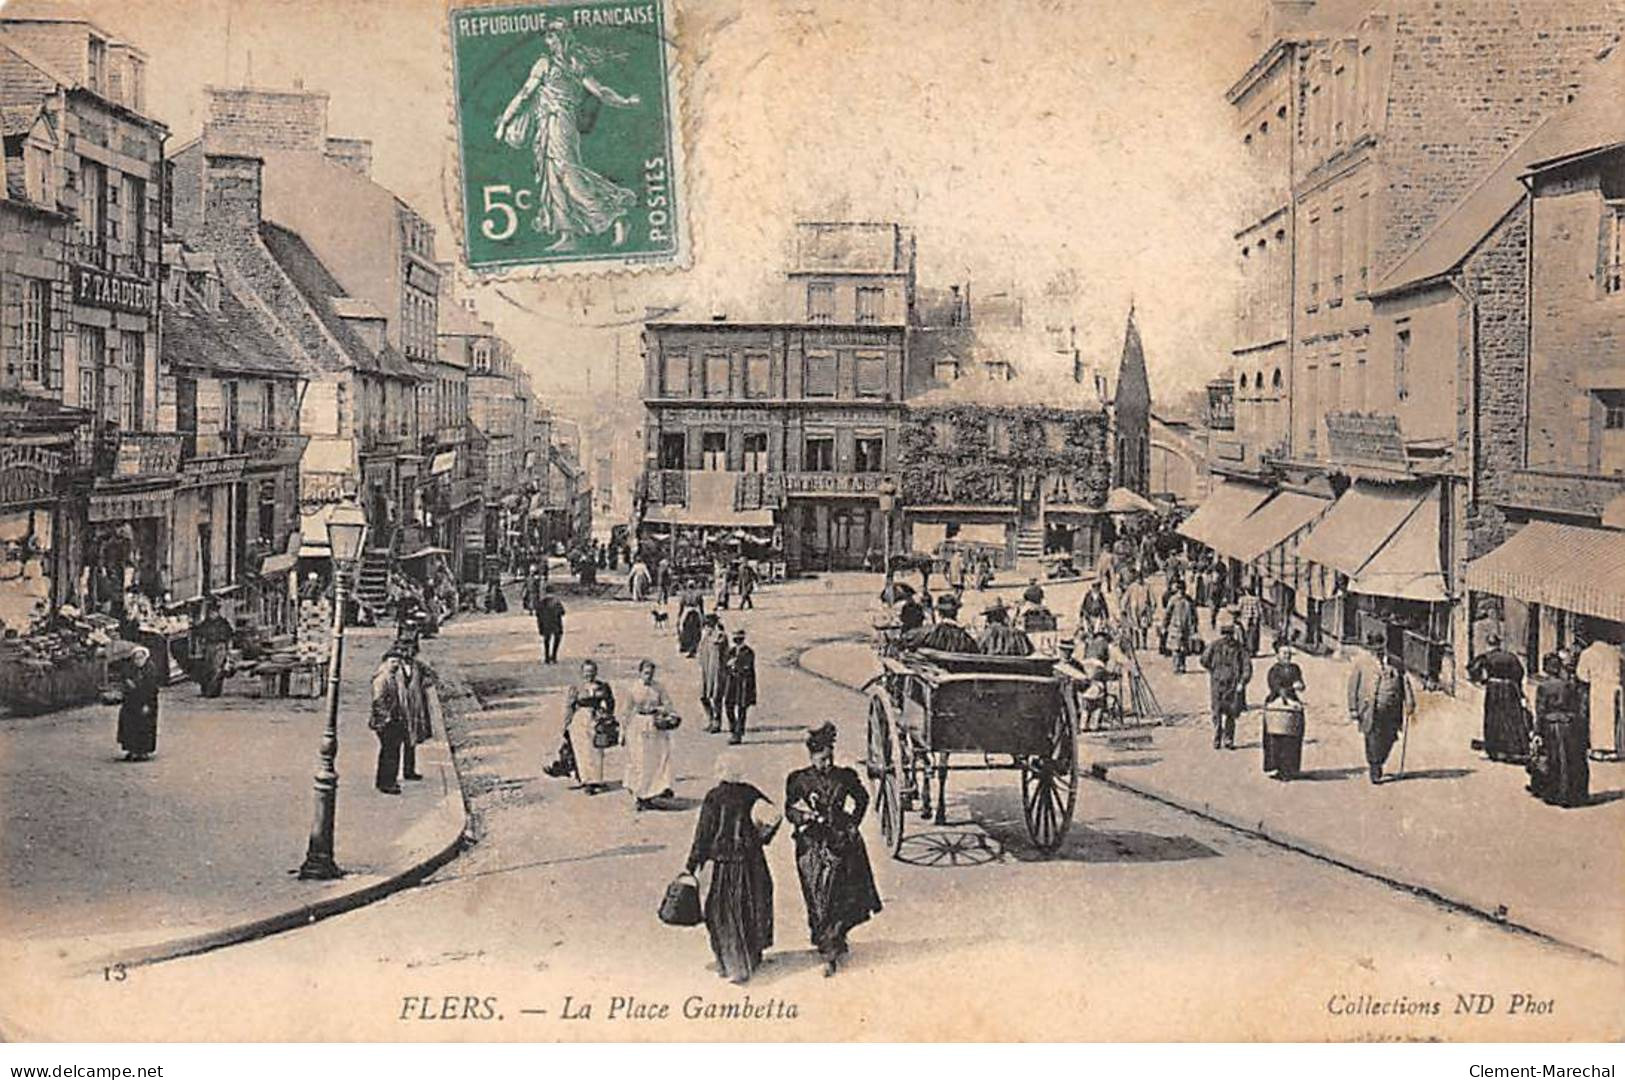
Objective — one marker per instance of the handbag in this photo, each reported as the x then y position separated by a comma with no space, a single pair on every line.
606,732
667,721
681,904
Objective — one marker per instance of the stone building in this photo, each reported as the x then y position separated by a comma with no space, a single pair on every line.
1381,119
379,254
79,144
781,433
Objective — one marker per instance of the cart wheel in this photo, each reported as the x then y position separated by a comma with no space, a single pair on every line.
877,761
891,797
1049,784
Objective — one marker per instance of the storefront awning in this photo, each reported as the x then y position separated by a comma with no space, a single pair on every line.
444,462
1222,511
1271,524
1123,501
1356,528
694,515
278,565
1568,567
1407,566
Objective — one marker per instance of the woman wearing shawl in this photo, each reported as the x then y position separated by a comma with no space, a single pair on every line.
1559,773
739,903
825,802
690,611
138,712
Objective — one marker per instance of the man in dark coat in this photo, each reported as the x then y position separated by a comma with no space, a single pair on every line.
1506,728
945,635
1229,669
212,640
1179,625
825,803
739,690
747,585
1093,609
550,624
1381,699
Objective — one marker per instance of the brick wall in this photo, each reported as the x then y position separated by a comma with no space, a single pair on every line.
353,154
231,192
1470,79
243,119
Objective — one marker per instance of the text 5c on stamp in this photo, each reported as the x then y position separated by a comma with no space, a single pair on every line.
569,137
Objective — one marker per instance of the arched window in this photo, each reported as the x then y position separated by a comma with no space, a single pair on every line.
1258,380
1264,128
1275,380
1243,383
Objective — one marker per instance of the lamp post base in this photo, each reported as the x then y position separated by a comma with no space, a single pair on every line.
319,868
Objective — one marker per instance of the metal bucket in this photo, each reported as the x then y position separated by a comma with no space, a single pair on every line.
1283,719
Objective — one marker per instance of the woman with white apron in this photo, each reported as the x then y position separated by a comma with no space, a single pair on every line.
649,724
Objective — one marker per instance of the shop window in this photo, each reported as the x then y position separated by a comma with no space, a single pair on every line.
714,451
871,375
717,371
870,454
674,374
673,450
820,375
756,452
819,454
758,375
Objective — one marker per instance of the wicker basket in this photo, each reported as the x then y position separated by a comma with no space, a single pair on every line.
1283,719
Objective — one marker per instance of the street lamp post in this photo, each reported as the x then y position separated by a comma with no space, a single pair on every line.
888,501
346,530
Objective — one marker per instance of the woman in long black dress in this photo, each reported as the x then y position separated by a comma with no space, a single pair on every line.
739,904
1283,753
138,713
1559,773
825,802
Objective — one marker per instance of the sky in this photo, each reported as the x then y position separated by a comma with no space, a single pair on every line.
1019,138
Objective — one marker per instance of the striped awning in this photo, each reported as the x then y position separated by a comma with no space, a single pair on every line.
1288,513
1407,566
1356,528
1225,507
1568,567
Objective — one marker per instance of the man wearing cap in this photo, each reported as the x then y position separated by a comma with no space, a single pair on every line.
1179,625
945,635
739,689
825,803
999,638
1506,727
392,691
1229,669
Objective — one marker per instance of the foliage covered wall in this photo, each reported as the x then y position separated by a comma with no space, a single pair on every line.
1000,454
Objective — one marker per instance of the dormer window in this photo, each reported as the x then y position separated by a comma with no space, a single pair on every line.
947,370
96,65
39,174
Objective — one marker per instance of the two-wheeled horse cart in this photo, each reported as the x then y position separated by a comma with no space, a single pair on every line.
1017,713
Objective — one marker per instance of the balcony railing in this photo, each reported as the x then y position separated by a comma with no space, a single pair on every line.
668,486
138,455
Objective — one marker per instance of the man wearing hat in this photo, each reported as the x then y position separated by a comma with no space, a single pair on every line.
394,694
739,691
946,634
1506,727
999,638
1381,698
825,803
1229,669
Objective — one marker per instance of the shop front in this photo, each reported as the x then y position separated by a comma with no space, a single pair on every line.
1262,550
1375,565
1551,585
929,530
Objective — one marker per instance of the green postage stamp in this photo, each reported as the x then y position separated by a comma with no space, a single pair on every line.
569,137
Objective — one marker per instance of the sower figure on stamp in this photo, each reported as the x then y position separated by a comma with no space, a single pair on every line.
550,112
825,802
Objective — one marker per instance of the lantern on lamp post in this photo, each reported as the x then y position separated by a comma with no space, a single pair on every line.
346,531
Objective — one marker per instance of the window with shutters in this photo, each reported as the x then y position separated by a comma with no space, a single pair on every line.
871,375
758,375
756,452
36,334
820,381
818,454
714,451
871,301
717,371
673,450
820,302
674,374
